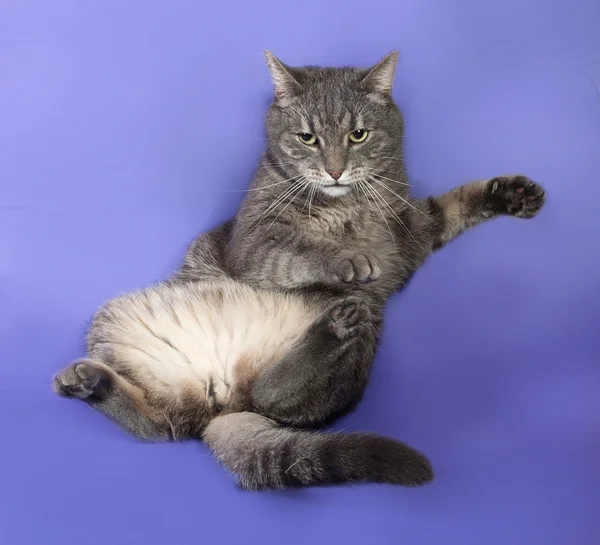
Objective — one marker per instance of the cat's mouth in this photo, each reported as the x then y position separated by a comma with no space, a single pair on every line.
336,189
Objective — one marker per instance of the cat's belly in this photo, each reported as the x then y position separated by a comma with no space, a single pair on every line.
203,336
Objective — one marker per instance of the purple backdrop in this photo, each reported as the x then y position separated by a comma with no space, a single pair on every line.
127,127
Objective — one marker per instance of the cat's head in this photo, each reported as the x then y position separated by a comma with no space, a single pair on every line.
337,128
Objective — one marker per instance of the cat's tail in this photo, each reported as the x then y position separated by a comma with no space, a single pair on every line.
264,455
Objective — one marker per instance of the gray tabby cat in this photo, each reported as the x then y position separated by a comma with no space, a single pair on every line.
270,328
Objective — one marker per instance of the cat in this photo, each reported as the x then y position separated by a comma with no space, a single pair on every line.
268,330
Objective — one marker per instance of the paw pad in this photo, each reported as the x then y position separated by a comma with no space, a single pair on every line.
347,317
80,380
516,196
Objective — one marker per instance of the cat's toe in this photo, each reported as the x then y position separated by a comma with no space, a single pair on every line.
80,380
517,196
346,318
360,268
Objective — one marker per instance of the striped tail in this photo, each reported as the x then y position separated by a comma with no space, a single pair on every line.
263,455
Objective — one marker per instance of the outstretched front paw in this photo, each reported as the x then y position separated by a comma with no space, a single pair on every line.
347,317
516,196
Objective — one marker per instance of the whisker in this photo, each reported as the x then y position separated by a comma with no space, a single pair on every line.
375,173
301,116
268,186
305,201
359,185
312,193
285,194
277,163
366,187
294,110
305,111
359,114
396,217
401,198
294,197
277,202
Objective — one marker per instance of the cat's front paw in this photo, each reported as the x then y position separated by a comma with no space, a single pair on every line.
347,317
357,268
80,380
516,196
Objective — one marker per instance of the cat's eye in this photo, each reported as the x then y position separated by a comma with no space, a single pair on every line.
358,136
307,138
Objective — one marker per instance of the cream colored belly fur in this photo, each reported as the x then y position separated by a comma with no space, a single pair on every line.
198,335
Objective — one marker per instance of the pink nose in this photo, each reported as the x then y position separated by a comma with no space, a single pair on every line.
335,174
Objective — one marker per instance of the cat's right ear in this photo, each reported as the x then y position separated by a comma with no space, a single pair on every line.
380,78
284,84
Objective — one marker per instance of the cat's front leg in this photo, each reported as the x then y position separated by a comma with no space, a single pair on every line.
205,256
284,257
471,204
354,267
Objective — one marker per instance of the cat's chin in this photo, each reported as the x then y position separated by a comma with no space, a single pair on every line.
335,190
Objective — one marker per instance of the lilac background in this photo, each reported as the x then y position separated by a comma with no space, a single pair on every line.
127,127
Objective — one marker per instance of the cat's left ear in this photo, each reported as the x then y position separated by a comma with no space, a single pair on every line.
380,79
284,84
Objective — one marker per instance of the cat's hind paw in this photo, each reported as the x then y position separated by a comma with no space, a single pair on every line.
80,380
347,317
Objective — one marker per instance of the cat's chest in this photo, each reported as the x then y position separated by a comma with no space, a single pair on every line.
353,229
358,231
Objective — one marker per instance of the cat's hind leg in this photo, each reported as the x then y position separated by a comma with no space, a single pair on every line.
324,375
103,388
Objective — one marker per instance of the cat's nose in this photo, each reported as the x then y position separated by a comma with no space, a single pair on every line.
335,174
